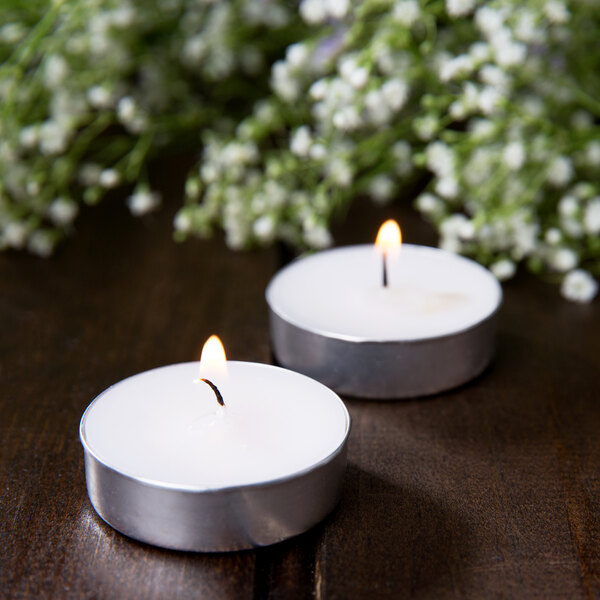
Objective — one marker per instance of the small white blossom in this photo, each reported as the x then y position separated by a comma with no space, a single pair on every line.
514,155
56,70
109,178
318,90
340,172
553,236
381,189
89,174
347,118
568,206
301,141
490,99
395,93
297,56
15,234
63,211
337,8
318,152
313,11
29,136
459,66
284,82
480,51
447,187
591,216
563,259
99,97
264,228
560,171
316,235
556,11
592,153
459,8
488,20
440,159
426,127
41,243
406,12
503,269
182,222
401,152
579,286
53,137
126,109
429,204
143,201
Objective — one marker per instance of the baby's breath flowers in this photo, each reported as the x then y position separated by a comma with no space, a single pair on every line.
298,109
497,101
89,91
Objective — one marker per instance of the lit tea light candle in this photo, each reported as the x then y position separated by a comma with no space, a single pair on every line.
384,321
242,455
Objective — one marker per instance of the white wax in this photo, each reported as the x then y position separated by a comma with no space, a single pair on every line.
162,427
339,293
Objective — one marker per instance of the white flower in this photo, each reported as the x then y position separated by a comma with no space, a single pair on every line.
63,211
313,11
592,153
264,228
556,12
503,269
355,75
56,70
126,109
591,216
563,259
553,236
488,20
316,235
340,172
182,222
459,8
406,12
283,81
143,201
318,90
526,28
447,187
579,286
568,206
507,52
377,107
560,171
490,99
15,234
347,118
301,141
459,66
337,8
426,127
395,93
429,204
480,51
99,97
297,56
381,189
41,243
29,136
54,137
109,178
318,152
457,226
440,158
494,76
514,155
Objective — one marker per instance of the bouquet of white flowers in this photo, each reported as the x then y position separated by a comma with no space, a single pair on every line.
496,104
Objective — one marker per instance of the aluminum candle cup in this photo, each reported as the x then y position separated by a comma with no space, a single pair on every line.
166,465
431,329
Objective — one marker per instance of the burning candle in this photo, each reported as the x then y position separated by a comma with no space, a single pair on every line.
384,321
236,456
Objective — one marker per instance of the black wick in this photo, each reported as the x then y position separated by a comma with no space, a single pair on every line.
385,278
215,389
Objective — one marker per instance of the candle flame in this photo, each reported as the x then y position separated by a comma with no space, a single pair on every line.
389,236
213,362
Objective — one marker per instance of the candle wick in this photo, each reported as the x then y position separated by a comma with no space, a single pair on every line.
385,277
215,389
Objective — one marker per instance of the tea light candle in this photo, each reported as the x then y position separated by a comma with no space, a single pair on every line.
167,464
384,321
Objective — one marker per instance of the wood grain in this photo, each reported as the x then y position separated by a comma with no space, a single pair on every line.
488,491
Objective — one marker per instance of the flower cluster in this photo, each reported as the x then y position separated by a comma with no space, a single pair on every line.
491,107
89,91
496,101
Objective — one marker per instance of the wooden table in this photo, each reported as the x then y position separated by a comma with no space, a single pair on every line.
489,491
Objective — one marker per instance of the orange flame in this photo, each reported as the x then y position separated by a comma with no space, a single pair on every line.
213,361
389,236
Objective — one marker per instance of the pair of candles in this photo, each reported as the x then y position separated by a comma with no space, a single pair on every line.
246,454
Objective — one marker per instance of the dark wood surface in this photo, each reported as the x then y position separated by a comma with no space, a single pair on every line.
488,491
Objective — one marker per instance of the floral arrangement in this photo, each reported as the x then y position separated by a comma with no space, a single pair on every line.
492,107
